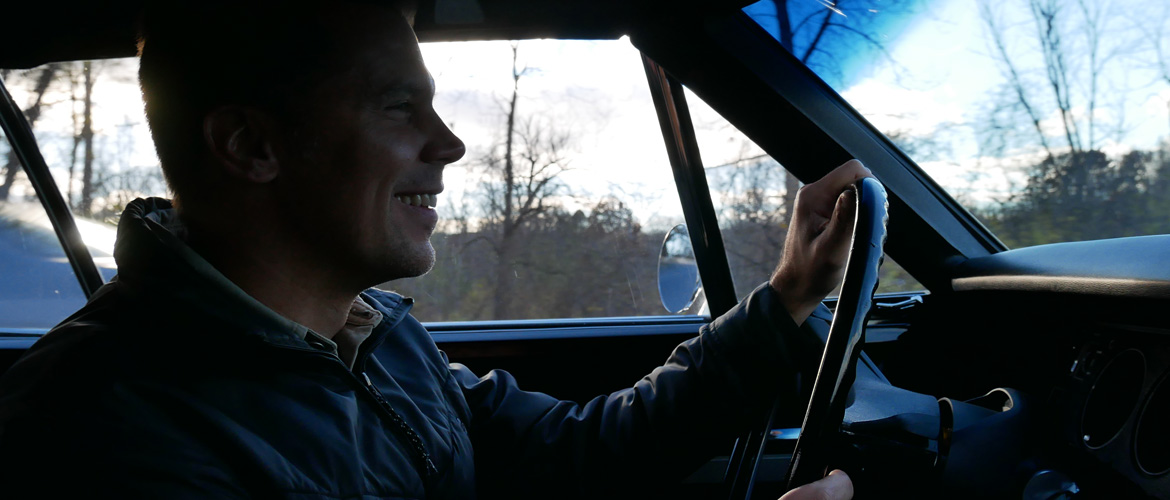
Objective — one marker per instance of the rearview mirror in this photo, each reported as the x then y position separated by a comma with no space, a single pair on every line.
678,274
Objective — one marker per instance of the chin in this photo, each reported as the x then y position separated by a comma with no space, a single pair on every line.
411,264
421,269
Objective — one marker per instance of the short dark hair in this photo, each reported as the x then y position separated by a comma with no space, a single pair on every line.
199,55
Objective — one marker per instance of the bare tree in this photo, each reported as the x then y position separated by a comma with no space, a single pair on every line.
78,119
1070,36
1153,28
754,214
88,137
817,32
85,206
521,180
77,81
1015,81
1060,59
117,189
32,113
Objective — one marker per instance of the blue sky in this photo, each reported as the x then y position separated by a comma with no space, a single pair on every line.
940,76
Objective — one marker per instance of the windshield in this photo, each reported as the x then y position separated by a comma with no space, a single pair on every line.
1047,119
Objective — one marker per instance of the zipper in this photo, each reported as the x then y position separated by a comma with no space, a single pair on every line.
423,461
421,456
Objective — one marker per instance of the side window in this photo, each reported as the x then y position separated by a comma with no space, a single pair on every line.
37,285
88,120
562,202
754,196
558,209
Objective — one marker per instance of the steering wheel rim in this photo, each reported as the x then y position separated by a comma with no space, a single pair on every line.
837,370
826,407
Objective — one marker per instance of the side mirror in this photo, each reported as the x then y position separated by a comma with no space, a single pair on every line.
678,274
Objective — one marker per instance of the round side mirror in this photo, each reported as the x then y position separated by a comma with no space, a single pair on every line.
678,274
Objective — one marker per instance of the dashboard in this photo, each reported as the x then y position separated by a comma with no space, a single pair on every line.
1079,332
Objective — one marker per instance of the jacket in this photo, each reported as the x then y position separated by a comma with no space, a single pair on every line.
162,387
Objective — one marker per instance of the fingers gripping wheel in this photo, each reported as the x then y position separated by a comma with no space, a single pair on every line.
826,407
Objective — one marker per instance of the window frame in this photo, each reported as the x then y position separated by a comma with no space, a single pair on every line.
841,131
683,152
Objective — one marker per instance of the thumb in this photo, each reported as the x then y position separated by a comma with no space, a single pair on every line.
840,229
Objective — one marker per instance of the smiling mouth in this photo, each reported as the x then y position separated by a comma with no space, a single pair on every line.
419,200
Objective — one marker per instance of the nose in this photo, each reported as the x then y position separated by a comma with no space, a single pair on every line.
444,146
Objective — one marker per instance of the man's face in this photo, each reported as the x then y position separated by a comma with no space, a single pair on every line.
366,156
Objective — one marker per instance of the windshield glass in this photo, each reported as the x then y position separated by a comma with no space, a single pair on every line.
1047,119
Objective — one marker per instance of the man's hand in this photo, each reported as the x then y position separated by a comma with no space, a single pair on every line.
835,486
817,244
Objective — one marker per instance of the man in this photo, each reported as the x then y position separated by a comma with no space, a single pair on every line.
240,352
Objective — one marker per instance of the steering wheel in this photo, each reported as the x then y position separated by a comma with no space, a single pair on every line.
826,406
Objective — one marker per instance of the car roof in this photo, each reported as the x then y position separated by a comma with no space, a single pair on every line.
81,29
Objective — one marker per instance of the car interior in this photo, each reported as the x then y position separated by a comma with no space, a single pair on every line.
1032,372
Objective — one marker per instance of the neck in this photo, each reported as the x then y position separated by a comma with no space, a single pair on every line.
282,281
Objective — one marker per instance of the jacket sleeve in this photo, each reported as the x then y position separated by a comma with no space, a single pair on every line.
670,422
54,456
67,433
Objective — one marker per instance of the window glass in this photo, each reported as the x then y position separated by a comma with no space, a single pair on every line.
93,134
38,288
753,197
592,197
574,232
1048,119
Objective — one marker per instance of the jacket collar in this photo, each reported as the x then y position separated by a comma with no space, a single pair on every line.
152,258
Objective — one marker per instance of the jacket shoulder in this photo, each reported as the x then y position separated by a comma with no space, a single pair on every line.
74,341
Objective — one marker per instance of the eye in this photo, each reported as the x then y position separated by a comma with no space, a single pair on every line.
398,107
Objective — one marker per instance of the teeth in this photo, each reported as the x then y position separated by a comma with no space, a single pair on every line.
419,200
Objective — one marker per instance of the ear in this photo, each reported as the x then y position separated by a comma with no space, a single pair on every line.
241,140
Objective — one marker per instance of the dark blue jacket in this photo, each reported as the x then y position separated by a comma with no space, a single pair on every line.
158,389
